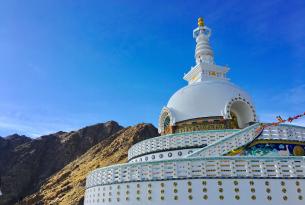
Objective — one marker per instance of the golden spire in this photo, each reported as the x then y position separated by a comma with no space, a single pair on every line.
200,21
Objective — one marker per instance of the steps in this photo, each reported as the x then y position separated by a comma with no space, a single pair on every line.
229,143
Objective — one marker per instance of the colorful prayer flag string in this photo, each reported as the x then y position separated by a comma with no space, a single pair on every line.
280,121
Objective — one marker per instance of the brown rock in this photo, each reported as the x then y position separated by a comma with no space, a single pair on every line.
67,186
25,163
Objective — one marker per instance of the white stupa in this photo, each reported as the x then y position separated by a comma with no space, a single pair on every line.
212,149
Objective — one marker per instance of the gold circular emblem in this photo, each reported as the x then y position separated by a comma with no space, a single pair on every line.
298,151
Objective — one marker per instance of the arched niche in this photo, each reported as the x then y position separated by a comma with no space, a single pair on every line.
244,113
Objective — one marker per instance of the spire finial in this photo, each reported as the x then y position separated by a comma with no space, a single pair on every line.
200,21
203,51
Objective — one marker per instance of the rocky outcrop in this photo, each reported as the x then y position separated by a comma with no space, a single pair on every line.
26,163
67,186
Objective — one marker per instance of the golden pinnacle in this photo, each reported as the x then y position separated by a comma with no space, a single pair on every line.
200,21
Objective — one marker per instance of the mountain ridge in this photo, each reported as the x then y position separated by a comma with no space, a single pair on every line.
67,186
26,163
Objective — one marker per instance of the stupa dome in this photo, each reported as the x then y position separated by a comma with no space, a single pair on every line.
210,99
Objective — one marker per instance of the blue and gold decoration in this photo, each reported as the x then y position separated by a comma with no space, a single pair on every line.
274,149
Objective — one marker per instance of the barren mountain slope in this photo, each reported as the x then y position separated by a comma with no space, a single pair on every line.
26,163
68,185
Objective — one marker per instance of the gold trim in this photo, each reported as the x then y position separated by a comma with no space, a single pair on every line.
276,142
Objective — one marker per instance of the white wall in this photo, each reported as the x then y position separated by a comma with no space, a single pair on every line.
195,189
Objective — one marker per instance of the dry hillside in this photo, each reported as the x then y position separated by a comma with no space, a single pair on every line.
67,186
25,163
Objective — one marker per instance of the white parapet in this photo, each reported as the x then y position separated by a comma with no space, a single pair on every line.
208,167
180,140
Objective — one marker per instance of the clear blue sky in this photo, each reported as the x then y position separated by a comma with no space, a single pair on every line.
67,64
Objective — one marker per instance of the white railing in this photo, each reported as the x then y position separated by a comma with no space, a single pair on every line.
284,132
211,167
179,140
229,143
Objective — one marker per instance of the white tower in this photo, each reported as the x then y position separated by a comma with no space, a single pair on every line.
205,68
203,51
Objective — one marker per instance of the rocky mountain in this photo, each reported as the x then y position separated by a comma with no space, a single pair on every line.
27,164
67,186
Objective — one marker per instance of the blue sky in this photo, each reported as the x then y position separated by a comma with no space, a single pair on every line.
65,64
